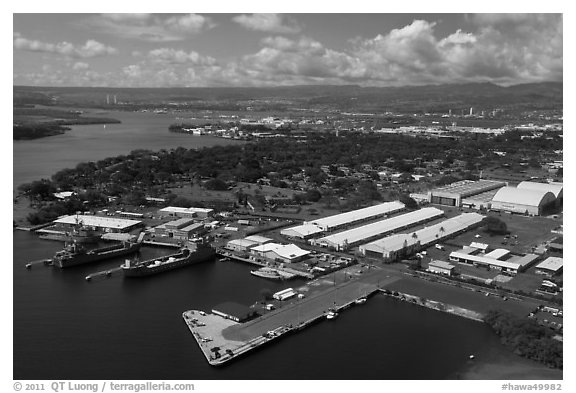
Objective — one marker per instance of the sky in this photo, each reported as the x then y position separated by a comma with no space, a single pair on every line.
214,50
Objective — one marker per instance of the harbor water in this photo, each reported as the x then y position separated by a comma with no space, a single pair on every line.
119,328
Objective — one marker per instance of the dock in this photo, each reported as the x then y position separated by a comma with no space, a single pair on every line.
222,340
103,273
161,244
46,262
287,270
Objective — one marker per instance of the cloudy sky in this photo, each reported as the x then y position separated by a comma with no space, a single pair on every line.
163,50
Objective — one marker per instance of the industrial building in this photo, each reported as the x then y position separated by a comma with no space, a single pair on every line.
555,188
352,237
499,259
550,266
186,212
105,224
397,246
454,194
285,253
440,267
284,294
234,311
183,228
245,244
523,201
337,221
303,232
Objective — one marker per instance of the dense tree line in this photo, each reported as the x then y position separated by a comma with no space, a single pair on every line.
526,337
141,173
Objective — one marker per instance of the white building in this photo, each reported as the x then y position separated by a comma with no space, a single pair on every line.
352,237
440,267
186,212
523,201
285,253
397,246
499,259
106,224
550,266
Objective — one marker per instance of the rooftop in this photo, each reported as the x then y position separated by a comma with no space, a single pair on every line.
357,215
551,263
98,221
469,187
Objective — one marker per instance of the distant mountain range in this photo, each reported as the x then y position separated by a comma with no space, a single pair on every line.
439,98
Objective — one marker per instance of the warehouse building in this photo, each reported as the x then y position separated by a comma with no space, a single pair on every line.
303,232
186,212
284,253
523,201
352,237
104,224
245,244
555,188
499,259
401,245
550,266
234,311
454,194
441,267
331,223
183,228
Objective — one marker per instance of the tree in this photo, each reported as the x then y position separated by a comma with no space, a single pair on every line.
409,202
313,195
215,184
495,225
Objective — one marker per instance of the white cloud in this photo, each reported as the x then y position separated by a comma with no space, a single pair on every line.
150,27
271,23
90,49
78,66
170,55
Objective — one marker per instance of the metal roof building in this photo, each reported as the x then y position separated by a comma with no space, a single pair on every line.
289,253
186,211
555,188
106,223
453,194
366,233
304,231
520,200
511,265
550,266
351,217
396,246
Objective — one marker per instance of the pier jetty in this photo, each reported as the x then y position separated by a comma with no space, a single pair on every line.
222,340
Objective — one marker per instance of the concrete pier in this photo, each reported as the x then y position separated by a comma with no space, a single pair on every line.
222,340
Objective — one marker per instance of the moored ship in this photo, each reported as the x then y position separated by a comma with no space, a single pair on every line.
75,254
189,255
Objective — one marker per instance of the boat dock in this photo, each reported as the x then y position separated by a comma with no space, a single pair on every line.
103,273
288,271
222,340
161,244
46,262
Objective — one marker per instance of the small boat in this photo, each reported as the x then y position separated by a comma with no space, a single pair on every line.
331,314
362,300
268,273
471,357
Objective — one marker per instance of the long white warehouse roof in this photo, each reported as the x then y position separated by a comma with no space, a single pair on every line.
355,235
521,196
425,236
98,221
175,209
357,215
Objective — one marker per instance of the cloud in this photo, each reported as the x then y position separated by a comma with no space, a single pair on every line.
170,55
91,48
499,49
150,27
271,23
78,66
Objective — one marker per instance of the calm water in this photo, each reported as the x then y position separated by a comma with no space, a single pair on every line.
67,328
41,158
